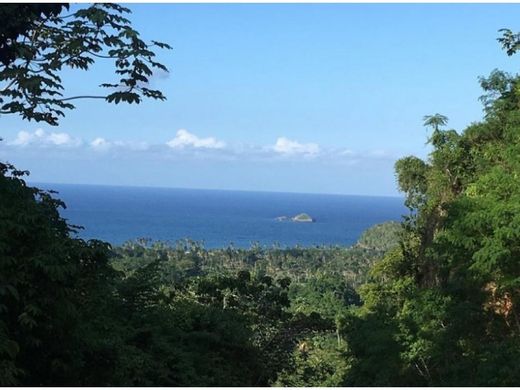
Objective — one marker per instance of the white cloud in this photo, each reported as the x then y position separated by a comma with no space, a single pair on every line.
286,146
23,138
40,137
100,144
192,146
184,138
347,152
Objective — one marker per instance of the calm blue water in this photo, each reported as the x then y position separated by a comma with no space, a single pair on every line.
219,218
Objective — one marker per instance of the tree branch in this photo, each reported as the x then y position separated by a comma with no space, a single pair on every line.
101,56
9,85
82,97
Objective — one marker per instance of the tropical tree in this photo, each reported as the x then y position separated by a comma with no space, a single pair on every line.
444,305
54,288
435,121
38,41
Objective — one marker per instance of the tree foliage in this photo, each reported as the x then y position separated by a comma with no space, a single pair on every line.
433,301
149,314
37,41
443,307
435,121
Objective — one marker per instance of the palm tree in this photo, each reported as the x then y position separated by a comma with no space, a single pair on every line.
435,121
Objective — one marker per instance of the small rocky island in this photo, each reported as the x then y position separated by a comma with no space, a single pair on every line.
303,217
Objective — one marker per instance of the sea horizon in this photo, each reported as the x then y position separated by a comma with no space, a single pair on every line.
220,218
39,184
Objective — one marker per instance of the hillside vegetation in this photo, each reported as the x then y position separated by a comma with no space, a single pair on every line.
152,314
432,301
442,308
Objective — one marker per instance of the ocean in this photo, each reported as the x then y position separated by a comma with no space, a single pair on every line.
221,218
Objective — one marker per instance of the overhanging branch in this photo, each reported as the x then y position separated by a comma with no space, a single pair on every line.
82,97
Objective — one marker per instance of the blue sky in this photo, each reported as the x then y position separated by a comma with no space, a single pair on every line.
276,97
